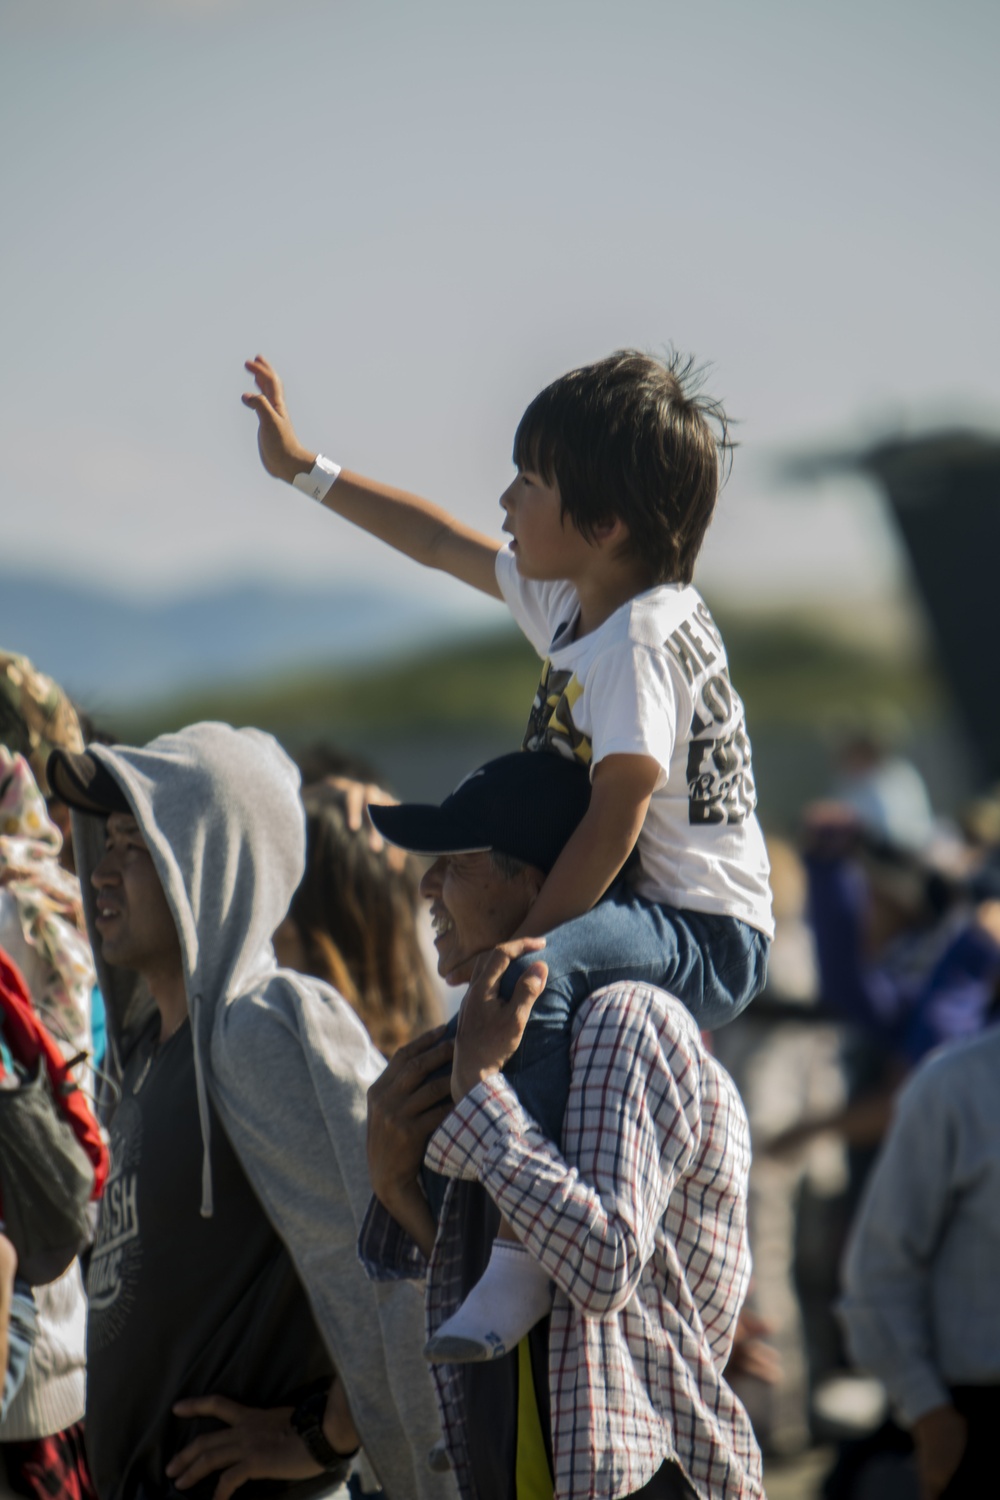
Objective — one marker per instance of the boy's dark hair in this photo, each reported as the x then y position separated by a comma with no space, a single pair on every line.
632,437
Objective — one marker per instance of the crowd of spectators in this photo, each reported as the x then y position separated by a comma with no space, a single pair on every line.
867,1070
871,1186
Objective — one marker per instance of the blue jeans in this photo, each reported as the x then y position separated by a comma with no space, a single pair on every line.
21,1333
715,964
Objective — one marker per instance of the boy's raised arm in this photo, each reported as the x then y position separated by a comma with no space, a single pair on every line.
413,526
600,846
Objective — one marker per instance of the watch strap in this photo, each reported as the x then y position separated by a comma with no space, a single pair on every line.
307,1419
320,479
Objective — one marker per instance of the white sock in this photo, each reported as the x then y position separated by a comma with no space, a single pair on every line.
505,1304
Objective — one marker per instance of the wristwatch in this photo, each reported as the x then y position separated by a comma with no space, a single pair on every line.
307,1419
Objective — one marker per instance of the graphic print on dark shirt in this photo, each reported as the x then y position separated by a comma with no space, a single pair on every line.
181,1305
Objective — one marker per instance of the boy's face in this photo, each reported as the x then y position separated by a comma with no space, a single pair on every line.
545,543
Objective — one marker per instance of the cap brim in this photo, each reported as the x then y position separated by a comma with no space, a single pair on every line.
81,781
423,828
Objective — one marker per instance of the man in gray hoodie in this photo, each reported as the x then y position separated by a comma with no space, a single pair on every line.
233,1336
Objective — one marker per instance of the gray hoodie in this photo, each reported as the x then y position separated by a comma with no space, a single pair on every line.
283,1059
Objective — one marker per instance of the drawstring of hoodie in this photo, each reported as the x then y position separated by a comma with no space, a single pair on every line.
204,1118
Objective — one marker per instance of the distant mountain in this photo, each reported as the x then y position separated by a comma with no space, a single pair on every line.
111,650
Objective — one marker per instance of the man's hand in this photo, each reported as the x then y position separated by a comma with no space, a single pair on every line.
406,1104
254,1444
939,1437
751,1354
281,453
490,1029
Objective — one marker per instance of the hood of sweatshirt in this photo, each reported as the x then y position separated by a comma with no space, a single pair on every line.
220,811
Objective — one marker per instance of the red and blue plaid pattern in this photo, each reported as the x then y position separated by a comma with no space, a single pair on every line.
642,1226
50,1468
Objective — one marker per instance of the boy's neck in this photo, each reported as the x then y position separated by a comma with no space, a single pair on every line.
606,589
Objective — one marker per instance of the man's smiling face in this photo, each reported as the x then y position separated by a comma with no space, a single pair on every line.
474,907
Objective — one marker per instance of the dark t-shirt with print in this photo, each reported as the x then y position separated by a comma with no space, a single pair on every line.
182,1305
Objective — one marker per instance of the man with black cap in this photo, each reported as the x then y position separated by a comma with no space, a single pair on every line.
638,1215
232,1334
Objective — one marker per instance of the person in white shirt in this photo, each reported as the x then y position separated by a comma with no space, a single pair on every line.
921,1307
617,478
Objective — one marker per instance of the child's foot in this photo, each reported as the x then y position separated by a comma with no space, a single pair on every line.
505,1304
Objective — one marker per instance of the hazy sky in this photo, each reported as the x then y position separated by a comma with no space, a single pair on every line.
423,212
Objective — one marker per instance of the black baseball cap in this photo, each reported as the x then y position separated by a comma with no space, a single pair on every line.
80,780
526,805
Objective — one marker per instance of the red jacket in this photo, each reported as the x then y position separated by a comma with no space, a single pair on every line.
28,1040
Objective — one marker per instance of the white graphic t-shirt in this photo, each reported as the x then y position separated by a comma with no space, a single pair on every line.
653,680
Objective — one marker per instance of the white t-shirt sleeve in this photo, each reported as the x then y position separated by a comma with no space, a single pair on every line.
537,608
635,705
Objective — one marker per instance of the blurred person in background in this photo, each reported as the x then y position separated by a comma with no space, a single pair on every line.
323,761
353,923
921,1304
362,785
42,930
885,790
786,1061
908,955
35,717
41,914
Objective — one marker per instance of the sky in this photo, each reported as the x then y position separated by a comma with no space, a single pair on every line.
422,213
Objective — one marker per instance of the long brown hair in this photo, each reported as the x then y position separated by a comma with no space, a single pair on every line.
357,916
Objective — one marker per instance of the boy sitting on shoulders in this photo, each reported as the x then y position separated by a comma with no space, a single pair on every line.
617,478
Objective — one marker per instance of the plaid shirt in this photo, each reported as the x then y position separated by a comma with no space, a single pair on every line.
50,1468
642,1227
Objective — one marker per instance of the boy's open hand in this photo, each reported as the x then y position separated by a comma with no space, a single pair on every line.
281,453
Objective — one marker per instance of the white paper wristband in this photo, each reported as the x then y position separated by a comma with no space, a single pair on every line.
320,479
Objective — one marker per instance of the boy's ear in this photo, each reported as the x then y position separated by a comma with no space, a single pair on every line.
610,533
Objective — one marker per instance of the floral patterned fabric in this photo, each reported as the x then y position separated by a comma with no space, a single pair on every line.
36,717
48,903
